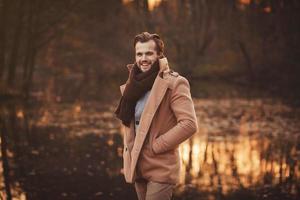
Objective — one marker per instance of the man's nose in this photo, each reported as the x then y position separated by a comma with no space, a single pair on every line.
143,57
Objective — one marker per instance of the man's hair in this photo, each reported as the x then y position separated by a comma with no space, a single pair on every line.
145,37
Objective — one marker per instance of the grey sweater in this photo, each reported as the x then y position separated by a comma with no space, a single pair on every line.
139,107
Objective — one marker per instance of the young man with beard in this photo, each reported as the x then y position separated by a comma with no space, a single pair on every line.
157,114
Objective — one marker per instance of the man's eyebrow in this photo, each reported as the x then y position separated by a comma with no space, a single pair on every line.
144,52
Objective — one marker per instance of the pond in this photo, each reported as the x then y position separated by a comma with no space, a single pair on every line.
244,149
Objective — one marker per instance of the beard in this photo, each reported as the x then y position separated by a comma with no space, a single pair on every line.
146,67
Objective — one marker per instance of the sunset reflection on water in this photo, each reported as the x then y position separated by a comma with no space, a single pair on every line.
244,154
238,162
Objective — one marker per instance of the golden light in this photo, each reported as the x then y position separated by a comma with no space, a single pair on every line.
126,1
20,114
153,3
245,2
45,118
185,149
77,108
197,157
267,9
243,153
110,142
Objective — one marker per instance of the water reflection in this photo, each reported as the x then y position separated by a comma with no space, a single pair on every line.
243,150
243,144
239,161
61,156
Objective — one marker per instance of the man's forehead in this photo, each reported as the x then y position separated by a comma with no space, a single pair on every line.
145,46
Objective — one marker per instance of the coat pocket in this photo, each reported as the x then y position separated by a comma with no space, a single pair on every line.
158,145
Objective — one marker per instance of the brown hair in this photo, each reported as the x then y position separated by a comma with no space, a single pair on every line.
145,37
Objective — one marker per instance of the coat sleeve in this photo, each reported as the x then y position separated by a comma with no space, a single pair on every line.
183,108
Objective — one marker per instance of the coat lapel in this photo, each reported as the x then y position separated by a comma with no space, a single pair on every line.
122,88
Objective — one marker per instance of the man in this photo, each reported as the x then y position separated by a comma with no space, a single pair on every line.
157,114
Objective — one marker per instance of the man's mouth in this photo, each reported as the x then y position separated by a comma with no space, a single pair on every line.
145,64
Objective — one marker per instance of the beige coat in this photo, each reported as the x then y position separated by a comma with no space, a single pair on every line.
167,120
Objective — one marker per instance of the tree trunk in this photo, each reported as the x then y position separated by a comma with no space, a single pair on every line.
247,58
5,164
31,50
2,38
16,46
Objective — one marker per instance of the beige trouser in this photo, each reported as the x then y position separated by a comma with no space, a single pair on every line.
149,190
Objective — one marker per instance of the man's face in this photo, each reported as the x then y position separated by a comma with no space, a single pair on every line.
145,54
